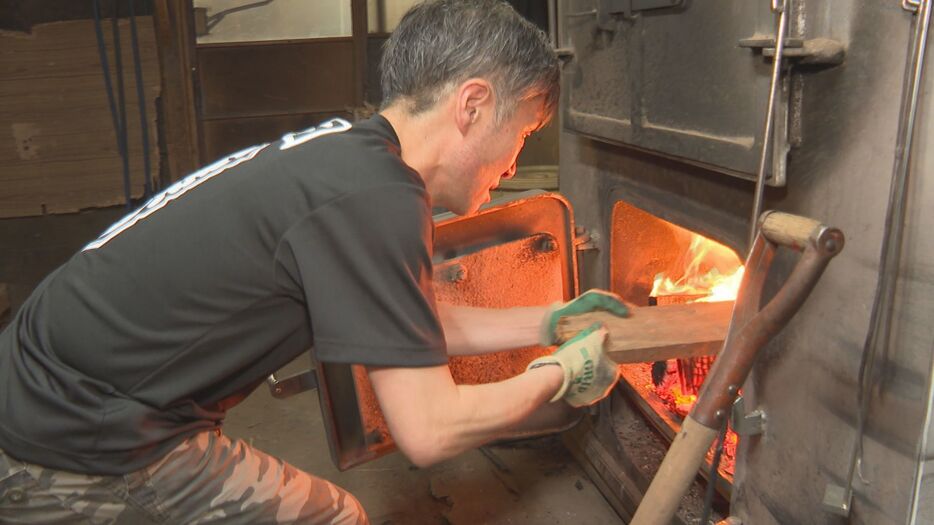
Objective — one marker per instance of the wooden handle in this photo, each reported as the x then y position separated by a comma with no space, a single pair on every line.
675,475
785,229
655,333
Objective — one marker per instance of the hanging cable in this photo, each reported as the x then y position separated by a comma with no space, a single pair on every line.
121,101
108,87
141,100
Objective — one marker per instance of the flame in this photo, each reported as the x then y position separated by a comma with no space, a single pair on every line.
713,272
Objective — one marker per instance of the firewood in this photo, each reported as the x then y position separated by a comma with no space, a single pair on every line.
656,333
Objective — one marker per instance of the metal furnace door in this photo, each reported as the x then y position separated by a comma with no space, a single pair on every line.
673,80
514,252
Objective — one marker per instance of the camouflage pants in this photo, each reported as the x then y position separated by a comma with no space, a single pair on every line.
209,478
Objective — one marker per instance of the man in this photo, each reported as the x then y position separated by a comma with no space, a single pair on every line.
116,374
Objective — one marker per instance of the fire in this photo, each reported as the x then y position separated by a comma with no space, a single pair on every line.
712,273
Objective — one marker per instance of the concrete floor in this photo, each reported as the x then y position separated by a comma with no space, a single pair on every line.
533,481
529,482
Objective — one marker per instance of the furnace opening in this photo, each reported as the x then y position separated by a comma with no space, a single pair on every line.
655,262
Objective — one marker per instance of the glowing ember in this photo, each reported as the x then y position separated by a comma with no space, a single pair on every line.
712,272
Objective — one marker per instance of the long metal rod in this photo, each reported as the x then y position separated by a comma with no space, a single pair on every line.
880,320
782,6
923,446
921,36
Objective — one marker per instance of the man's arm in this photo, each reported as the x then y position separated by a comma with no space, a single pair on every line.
431,418
472,331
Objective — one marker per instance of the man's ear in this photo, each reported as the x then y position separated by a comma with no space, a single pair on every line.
474,101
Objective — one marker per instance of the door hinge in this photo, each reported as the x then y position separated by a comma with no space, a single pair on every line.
744,424
628,8
585,239
814,51
296,384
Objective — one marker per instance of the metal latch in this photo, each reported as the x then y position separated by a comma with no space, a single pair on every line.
837,499
813,51
607,8
296,384
585,240
744,424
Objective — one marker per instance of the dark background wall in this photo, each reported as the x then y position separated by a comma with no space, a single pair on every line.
21,15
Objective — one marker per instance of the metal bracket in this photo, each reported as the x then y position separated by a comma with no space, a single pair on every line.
911,5
837,499
565,53
814,51
288,387
585,240
751,424
607,8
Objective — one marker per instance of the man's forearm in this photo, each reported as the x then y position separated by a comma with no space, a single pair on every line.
432,419
471,331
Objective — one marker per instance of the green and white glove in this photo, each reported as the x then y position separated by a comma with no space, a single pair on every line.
589,301
589,374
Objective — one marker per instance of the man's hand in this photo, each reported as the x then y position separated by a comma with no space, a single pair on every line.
589,374
589,301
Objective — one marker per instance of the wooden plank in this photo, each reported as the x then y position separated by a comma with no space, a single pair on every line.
657,333
65,136
304,77
58,153
60,50
62,187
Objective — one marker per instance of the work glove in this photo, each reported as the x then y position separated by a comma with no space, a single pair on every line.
589,301
589,373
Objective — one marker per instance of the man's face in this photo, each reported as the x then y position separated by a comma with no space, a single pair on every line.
489,155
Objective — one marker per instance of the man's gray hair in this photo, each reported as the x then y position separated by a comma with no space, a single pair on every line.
440,43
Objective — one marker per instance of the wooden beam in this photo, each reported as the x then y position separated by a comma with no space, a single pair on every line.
657,333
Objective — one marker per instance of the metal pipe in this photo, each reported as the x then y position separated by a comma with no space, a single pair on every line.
553,22
921,35
782,7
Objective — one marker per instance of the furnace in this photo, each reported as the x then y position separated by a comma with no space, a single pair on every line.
661,145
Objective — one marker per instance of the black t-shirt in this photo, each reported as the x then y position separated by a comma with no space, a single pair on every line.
183,307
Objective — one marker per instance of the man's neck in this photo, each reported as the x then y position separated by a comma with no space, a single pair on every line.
422,138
